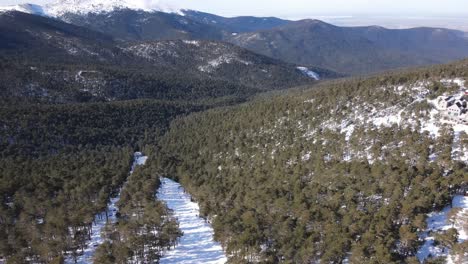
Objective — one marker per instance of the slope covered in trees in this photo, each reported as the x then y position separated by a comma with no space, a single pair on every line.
347,170
60,165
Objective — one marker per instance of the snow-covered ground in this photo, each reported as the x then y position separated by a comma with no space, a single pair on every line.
197,244
100,221
438,221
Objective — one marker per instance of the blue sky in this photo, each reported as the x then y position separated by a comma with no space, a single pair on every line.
306,8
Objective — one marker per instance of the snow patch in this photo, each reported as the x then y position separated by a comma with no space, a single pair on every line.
192,42
309,73
223,59
438,221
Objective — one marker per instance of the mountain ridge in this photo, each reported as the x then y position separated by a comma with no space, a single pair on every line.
355,50
62,7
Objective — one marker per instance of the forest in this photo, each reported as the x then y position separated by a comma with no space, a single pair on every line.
275,193
282,184
60,165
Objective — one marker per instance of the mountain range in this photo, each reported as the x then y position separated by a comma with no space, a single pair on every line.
355,50
348,50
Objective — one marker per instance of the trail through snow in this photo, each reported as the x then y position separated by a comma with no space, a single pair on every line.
100,221
197,244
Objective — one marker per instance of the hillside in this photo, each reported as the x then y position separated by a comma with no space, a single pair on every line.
52,61
357,50
346,171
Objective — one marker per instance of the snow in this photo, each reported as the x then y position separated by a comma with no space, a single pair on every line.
347,129
461,202
197,244
140,159
192,42
102,6
431,125
100,221
61,7
437,221
387,120
458,81
309,73
222,59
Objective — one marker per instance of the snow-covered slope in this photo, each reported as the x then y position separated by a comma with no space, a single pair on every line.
62,7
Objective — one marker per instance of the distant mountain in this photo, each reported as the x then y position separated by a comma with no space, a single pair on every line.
236,24
310,43
147,20
128,24
138,24
355,50
125,19
51,60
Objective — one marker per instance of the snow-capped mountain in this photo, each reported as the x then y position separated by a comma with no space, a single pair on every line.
60,8
103,6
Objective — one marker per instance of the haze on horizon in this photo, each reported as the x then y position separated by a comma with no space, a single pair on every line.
387,13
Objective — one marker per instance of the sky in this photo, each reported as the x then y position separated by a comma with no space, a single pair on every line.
397,13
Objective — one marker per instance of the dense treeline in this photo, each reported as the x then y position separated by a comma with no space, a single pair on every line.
39,82
145,229
48,203
282,185
44,129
